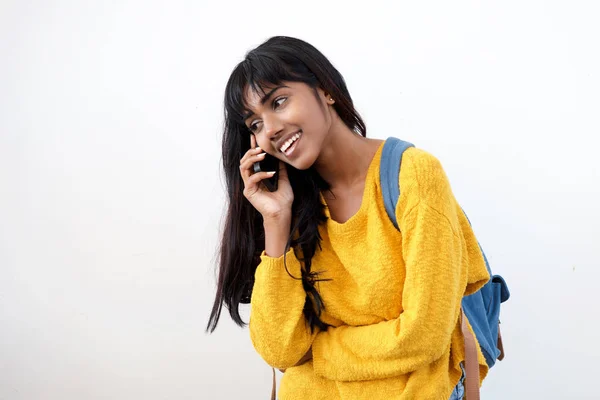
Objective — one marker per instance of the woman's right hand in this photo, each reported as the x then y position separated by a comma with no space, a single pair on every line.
272,205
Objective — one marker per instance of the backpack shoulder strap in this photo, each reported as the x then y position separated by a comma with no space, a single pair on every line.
389,174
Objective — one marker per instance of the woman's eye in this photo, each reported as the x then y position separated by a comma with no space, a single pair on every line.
276,103
279,101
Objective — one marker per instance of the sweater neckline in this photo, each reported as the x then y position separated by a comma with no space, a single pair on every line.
358,216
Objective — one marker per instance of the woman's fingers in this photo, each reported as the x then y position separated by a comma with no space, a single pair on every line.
250,153
253,182
255,191
259,176
251,179
247,164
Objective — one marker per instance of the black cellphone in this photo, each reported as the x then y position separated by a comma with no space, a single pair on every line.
269,163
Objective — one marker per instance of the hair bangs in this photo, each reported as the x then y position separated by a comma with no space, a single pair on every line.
259,72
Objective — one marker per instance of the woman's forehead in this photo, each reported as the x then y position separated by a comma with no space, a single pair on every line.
254,97
253,94
259,89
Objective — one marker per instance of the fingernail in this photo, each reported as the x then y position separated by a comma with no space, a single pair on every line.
271,172
261,155
257,148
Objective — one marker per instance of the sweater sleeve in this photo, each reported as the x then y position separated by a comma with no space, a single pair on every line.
436,256
278,329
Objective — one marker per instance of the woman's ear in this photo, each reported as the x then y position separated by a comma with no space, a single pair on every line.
328,98
325,96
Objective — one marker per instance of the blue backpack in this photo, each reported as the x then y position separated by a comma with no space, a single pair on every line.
482,308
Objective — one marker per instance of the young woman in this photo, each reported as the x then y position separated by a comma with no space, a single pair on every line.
347,305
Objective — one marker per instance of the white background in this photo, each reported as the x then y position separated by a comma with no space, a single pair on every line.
111,193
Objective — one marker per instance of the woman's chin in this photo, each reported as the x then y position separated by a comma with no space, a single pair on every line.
302,163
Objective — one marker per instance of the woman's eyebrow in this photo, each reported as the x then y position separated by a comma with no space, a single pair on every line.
265,98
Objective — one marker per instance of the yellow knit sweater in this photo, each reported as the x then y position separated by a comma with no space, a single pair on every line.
393,300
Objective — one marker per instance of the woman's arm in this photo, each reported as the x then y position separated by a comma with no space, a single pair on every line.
440,260
434,285
278,328
277,230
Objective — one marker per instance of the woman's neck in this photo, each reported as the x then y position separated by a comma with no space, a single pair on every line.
345,157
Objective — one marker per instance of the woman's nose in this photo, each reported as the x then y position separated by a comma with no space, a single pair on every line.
272,126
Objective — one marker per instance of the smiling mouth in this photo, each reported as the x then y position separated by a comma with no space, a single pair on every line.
289,145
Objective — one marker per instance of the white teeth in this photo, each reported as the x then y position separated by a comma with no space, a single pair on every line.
289,142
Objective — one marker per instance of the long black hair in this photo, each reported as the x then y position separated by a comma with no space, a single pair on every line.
278,59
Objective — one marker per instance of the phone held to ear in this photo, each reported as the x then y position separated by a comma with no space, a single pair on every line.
269,163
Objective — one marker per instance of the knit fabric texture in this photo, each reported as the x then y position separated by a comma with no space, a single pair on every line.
393,300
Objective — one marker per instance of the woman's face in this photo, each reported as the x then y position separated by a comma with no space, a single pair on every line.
289,122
